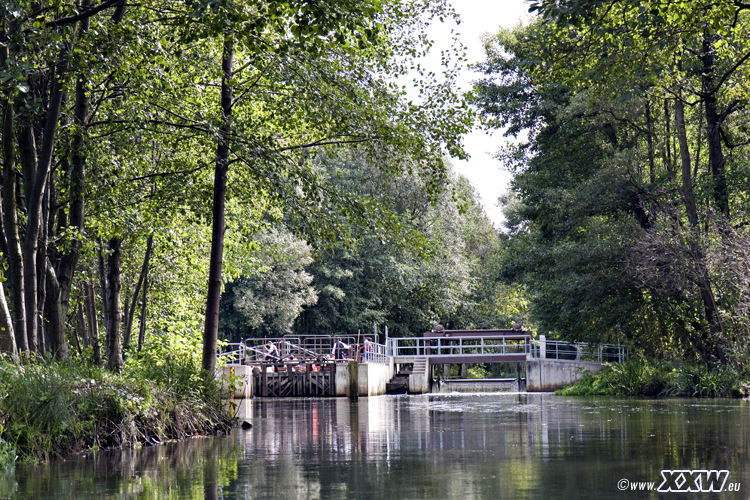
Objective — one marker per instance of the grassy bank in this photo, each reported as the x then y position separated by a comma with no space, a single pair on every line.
50,409
641,377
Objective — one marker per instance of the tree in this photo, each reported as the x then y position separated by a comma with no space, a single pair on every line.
140,144
270,301
618,222
319,59
445,273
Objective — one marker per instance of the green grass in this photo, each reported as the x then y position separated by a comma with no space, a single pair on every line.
641,377
51,409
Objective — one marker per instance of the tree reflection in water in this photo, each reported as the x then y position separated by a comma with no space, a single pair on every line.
433,446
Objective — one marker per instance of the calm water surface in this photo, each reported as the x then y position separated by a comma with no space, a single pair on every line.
525,446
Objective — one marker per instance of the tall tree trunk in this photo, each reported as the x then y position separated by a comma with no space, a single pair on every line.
55,321
103,283
36,196
211,325
28,155
698,141
687,180
3,236
7,336
651,148
68,262
92,322
10,221
666,149
713,129
144,310
710,348
82,325
78,328
114,321
42,277
123,334
129,313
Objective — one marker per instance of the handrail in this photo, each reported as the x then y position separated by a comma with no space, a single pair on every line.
414,347
561,350
458,346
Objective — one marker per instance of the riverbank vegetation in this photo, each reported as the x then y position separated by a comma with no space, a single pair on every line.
642,377
628,213
52,410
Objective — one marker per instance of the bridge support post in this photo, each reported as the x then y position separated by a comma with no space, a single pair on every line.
542,347
308,380
263,380
353,392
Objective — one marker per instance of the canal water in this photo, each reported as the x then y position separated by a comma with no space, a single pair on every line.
472,446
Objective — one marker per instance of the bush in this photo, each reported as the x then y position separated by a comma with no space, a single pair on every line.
641,377
478,372
50,409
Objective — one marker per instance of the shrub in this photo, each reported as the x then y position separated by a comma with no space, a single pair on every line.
49,409
641,377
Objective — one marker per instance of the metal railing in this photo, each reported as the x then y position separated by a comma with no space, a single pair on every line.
254,351
577,351
234,353
375,353
458,346
318,348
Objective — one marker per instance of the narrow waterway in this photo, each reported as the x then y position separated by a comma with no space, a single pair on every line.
521,446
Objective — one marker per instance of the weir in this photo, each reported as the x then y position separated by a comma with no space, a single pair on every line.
359,365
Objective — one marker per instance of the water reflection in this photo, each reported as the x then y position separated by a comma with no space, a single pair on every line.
432,446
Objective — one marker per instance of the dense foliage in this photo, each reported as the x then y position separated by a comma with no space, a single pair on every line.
146,146
152,151
444,270
628,212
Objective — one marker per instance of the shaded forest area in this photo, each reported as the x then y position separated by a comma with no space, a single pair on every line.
450,277
628,213
183,171
152,152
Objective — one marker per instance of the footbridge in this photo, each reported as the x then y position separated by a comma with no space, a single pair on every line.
321,365
497,346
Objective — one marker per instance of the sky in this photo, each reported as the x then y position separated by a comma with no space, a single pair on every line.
477,18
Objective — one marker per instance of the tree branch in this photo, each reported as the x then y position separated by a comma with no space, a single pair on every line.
82,15
165,174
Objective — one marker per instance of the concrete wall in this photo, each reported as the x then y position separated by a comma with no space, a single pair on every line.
243,380
548,375
420,379
373,377
341,379
478,385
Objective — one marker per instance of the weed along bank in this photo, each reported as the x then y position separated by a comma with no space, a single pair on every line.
360,365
